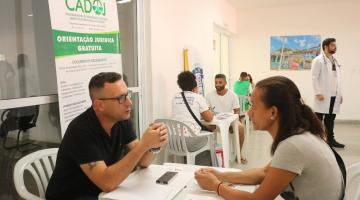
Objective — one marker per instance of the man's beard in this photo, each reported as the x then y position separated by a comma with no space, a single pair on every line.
332,51
220,88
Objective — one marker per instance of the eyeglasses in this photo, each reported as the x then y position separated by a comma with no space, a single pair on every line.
121,99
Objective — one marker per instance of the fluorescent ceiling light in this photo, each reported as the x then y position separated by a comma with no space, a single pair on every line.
123,1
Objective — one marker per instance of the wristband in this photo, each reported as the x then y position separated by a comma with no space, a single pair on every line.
218,187
155,150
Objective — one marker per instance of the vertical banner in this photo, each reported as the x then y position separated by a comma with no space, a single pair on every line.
199,74
86,41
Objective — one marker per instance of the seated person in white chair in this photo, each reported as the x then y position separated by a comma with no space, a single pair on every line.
223,100
88,161
197,103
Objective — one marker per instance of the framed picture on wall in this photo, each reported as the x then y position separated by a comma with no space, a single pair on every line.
293,52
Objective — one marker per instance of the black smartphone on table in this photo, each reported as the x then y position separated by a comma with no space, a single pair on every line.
166,177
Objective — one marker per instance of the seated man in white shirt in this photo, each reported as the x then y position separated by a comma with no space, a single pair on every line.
197,103
224,100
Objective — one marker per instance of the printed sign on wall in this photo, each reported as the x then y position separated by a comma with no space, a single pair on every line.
86,41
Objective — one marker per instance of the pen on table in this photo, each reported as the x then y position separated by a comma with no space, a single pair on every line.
181,190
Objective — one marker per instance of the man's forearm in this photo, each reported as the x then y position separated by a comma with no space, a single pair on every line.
146,159
117,173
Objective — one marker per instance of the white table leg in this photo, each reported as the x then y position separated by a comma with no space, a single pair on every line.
247,133
224,132
235,126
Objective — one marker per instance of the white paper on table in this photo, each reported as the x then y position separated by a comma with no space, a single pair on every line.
222,116
142,184
137,191
200,197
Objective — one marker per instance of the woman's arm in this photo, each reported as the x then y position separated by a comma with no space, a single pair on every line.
248,177
274,182
207,115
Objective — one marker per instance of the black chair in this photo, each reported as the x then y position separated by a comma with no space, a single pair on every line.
20,119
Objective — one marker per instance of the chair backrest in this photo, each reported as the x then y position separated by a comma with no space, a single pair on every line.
244,104
40,165
176,136
352,182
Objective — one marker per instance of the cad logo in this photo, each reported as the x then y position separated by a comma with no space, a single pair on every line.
86,6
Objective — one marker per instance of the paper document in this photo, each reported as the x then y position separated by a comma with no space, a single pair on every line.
222,116
142,183
201,197
139,191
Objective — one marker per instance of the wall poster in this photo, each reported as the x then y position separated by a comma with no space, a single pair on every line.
86,40
293,52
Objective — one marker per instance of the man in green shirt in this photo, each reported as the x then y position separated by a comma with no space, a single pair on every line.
241,87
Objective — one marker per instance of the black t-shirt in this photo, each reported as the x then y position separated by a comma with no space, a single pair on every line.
86,141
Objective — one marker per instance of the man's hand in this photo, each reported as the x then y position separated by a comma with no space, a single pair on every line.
319,97
155,136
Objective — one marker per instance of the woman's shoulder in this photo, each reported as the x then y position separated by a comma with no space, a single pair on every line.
197,96
302,140
303,135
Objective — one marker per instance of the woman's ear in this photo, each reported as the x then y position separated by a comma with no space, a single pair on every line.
274,112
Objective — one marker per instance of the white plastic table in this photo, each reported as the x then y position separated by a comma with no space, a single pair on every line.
223,121
141,185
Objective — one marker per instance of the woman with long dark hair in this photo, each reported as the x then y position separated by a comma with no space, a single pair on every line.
303,165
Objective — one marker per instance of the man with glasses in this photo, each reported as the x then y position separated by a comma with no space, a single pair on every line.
89,158
327,88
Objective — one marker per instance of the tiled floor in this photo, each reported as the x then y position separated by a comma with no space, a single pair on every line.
259,142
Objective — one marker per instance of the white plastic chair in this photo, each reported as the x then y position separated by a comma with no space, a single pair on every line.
40,164
177,144
352,182
243,102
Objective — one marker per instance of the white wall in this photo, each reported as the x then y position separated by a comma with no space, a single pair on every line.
179,24
250,49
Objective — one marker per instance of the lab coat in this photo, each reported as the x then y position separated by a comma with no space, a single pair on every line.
321,70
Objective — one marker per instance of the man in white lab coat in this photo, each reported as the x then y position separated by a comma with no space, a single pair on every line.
327,88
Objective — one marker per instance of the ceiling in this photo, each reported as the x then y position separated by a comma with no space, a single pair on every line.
272,3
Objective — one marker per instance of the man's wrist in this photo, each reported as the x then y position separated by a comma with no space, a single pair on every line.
155,150
144,147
